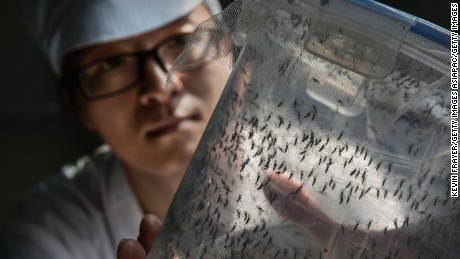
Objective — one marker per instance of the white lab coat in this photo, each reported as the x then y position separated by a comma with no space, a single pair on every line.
81,213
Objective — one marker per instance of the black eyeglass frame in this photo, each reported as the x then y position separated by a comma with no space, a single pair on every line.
72,78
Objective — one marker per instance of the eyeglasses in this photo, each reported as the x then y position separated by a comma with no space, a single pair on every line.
115,74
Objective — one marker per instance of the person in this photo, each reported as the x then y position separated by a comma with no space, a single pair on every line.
113,57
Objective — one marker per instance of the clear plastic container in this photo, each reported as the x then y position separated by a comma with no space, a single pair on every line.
331,138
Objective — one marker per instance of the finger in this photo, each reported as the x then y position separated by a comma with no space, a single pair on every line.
148,231
294,202
130,249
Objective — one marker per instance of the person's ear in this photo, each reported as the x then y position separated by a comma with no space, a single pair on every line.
74,97
86,120
76,102
79,109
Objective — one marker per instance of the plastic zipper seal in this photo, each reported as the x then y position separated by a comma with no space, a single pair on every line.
357,38
419,26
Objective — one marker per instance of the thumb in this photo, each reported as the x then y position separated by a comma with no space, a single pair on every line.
130,249
148,231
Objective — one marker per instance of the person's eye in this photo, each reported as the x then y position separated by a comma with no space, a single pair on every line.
178,42
105,68
111,64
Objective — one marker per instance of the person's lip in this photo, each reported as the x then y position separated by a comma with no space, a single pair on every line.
167,126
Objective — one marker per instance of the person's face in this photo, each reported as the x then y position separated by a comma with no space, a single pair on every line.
154,129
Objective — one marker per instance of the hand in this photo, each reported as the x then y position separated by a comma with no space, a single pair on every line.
138,249
294,202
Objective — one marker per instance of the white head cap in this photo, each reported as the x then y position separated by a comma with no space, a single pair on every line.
60,26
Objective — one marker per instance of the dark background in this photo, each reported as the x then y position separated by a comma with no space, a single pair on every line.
38,132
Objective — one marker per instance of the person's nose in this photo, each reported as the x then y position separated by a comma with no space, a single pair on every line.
153,89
